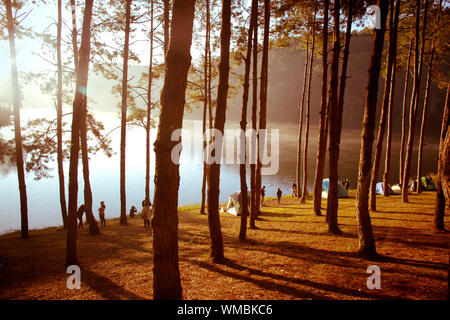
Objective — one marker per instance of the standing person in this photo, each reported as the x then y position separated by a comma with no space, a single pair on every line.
146,212
80,212
101,213
133,210
263,193
279,193
294,190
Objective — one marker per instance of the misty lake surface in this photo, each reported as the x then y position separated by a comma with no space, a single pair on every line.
43,195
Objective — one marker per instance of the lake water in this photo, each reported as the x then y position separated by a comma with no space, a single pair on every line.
43,197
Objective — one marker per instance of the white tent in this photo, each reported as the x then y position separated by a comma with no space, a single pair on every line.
234,203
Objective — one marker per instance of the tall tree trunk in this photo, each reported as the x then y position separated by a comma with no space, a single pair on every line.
300,120
17,131
60,157
263,97
166,25
439,209
205,103
219,124
415,98
149,109
332,200
308,109
387,165
77,118
123,125
243,147
74,34
320,161
425,104
384,110
166,272
254,195
404,110
365,234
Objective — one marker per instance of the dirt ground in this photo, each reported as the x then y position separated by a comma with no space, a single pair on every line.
290,256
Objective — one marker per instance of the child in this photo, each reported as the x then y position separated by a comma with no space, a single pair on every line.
101,213
279,193
133,210
146,213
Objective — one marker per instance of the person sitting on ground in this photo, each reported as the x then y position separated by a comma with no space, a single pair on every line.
263,193
279,193
80,212
133,210
101,213
294,190
146,212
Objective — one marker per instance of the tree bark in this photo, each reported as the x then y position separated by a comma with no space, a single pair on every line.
166,25
404,110
80,96
415,98
439,209
166,273
60,157
384,109
123,125
308,109
149,110
366,239
243,147
17,130
254,195
215,231
74,34
321,149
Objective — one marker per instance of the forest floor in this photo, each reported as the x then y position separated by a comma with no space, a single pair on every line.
290,256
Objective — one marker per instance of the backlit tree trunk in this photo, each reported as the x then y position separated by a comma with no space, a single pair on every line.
77,118
17,132
149,109
321,148
365,234
254,195
60,158
384,110
123,124
166,25
166,272
219,124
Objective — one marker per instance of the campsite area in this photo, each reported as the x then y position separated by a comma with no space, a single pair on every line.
290,256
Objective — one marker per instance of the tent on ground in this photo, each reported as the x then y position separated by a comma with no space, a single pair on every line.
380,189
342,193
235,203
428,183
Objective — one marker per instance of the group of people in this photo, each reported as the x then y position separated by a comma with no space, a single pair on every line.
146,213
263,194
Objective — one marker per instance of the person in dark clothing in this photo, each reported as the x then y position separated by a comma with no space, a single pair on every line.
346,184
263,193
101,213
279,193
81,210
294,190
133,210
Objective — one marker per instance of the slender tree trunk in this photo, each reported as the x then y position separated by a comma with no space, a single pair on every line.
205,104
425,105
365,234
166,25
308,109
243,159
149,110
80,96
166,272
332,200
300,120
404,111
17,132
384,110
415,98
74,33
262,136
219,124
123,126
439,209
320,161
60,157
254,195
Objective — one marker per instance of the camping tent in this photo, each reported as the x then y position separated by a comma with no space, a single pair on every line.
428,183
380,189
234,203
342,193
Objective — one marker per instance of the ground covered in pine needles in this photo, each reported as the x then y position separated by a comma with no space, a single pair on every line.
290,256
